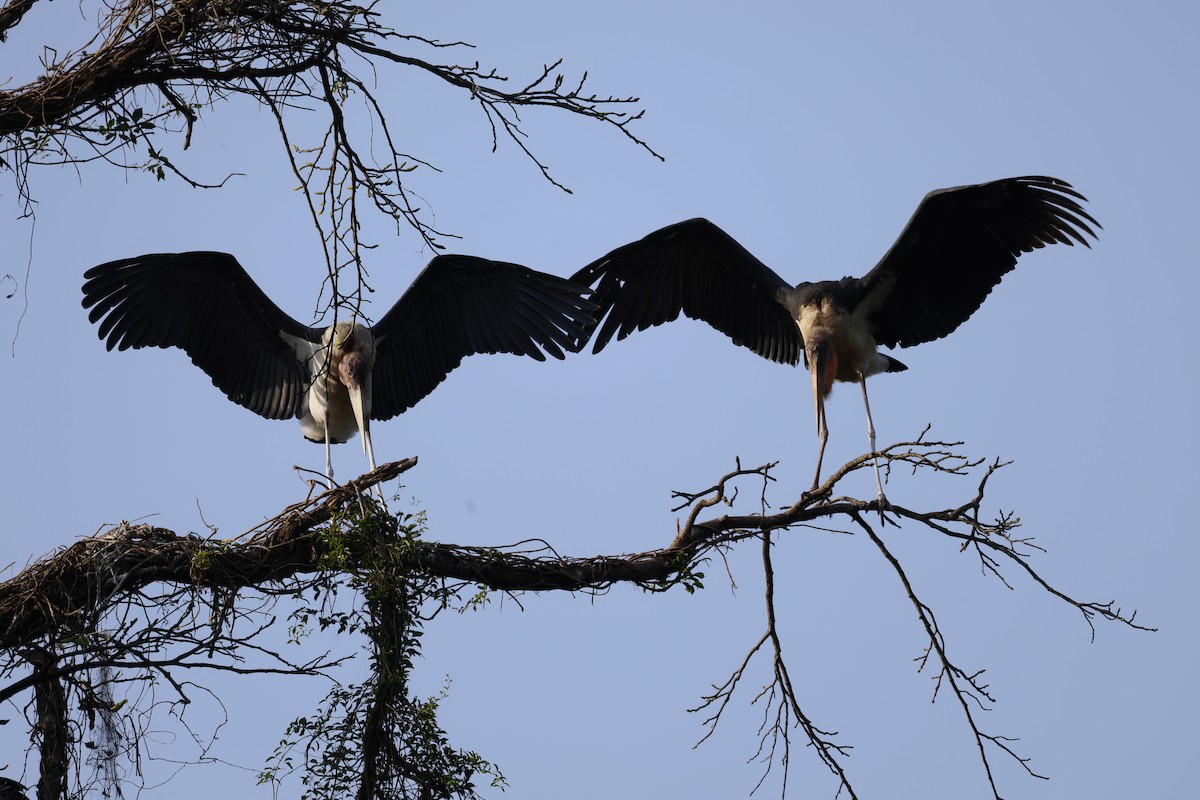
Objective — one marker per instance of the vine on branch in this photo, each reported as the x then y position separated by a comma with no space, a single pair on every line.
373,739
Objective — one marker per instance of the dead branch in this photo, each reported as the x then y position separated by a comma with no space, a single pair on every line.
11,13
993,541
155,66
64,590
59,598
61,588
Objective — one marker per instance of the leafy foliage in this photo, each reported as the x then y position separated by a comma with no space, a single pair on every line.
374,739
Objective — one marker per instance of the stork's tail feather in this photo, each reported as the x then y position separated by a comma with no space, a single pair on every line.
892,364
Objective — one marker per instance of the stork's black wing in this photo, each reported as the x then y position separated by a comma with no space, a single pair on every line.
206,304
958,245
462,305
699,269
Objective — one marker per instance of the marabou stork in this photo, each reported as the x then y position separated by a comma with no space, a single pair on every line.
956,247
335,380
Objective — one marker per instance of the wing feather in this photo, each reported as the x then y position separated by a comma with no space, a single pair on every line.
958,245
205,304
463,305
695,268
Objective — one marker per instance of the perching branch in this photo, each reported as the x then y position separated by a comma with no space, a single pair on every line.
72,602
64,591
994,542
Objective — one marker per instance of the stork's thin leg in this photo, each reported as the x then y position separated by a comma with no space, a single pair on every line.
328,459
823,435
862,381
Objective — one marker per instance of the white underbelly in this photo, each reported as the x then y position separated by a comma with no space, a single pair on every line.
856,349
342,425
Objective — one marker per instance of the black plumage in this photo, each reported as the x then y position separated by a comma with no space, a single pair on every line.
463,305
958,245
206,304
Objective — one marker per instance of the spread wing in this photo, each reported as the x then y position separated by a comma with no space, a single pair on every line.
205,304
958,245
462,305
697,268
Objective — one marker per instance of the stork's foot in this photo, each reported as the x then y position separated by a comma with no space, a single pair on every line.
884,505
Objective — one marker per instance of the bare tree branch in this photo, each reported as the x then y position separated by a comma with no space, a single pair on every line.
156,65
11,14
993,541
62,598
65,590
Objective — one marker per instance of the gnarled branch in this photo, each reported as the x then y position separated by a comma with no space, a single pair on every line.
155,66
60,598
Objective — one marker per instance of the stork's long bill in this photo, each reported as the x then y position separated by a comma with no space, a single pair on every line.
354,355
822,366
956,248
354,373
333,380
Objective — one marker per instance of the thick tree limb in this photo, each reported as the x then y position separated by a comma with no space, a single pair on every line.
65,590
11,13
52,726
62,588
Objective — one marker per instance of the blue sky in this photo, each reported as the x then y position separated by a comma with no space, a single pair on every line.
810,134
